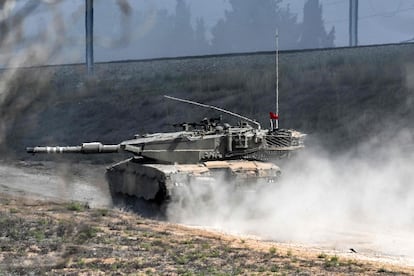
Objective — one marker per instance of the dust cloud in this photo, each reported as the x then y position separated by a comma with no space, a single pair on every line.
48,180
363,199
21,48
38,33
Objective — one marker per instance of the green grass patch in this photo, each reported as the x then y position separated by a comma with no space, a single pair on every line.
86,233
332,261
14,210
272,250
181,259
77,206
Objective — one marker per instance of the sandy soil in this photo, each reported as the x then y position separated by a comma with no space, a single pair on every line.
41,182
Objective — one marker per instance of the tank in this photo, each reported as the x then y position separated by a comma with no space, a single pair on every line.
198,152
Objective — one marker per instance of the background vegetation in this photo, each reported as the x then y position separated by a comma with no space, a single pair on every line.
160,33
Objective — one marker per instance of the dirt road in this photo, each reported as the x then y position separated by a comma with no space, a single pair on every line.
86,183
50,180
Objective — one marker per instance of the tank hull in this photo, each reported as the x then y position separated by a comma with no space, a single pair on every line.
161,183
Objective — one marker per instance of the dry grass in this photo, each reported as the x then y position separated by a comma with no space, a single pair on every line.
60,238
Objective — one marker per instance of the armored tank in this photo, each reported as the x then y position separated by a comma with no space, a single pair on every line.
201,152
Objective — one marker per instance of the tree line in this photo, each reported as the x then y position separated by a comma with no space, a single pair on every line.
248,26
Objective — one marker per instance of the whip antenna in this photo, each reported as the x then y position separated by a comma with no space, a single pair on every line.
277,79
274,117
215,108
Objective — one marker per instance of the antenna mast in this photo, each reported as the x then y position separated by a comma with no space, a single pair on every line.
277,81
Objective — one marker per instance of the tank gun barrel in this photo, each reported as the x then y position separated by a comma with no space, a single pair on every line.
85,148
